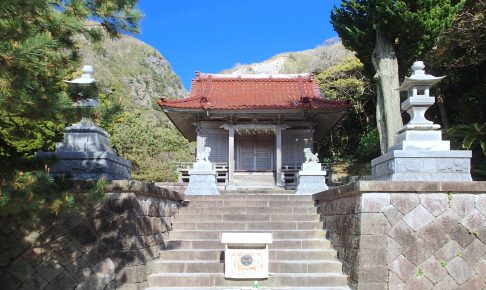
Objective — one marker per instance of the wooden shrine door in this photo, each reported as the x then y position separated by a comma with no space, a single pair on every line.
255,152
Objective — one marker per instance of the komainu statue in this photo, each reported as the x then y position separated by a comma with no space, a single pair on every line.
203,155
310,157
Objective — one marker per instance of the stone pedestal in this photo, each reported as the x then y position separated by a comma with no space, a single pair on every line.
86,154
311,179
202,179
422,165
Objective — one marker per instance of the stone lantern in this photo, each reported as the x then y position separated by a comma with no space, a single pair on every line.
85,152
86,81
420,154
419,133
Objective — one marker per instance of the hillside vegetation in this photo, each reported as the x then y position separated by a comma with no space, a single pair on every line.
316,59
131,75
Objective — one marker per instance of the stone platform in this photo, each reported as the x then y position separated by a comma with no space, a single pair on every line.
88,165
423,165
85,154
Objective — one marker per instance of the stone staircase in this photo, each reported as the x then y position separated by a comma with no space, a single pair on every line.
300,256
255,180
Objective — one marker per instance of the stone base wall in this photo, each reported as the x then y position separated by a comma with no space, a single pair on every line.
108,247
342,224
409,235
173,186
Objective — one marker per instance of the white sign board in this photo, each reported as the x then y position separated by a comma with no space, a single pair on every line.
246,255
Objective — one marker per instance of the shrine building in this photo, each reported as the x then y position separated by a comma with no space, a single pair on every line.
256,125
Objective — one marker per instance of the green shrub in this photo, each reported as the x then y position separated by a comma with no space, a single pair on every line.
154,150
369,146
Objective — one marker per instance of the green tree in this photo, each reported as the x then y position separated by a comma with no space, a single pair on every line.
387,35
461,55
38,51
153,149
346,81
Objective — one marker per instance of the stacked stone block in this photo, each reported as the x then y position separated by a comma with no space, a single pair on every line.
109,247
389,236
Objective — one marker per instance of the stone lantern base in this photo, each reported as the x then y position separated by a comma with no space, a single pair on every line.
88,165
86,154
423,165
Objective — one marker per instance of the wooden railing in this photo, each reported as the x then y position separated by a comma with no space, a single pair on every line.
221,171
289,172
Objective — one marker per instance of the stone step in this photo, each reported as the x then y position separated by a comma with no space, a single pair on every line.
278,280
249,196
193,209
279,266
274,254
216,235
246,217
246,287
247,226
277,244
249,203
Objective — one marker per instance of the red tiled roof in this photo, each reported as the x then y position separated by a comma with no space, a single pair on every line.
253,92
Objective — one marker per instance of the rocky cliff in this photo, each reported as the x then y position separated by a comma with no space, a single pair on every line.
138,69
316,59
131,76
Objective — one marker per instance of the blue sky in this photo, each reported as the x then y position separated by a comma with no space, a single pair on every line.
212,35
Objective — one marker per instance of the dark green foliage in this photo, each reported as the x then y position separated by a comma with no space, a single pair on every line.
153,149
387,37
38,51
412,25
346,81
472,137
461,56
368,146
32,195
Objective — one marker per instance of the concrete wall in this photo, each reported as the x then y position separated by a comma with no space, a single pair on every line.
109,247
408,235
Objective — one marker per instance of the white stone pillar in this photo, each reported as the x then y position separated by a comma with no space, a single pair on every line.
231,158
278,162
200,140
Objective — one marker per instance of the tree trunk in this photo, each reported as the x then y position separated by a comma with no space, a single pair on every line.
388,116
442,109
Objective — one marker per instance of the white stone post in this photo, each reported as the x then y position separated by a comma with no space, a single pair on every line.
231,158
278,161
200,140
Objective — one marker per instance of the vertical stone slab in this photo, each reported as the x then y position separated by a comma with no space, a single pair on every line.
278,153
231,157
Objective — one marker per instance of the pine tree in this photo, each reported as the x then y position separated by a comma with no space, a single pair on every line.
37,52
388,35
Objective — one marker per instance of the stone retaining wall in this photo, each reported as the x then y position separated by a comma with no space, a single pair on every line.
109,247
174,186
408,235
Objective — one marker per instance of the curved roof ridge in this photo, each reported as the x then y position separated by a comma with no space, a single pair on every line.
254,76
